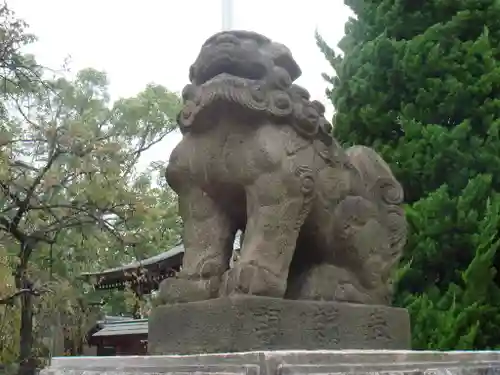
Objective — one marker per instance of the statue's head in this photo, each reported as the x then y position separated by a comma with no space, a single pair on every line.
243,54
248,72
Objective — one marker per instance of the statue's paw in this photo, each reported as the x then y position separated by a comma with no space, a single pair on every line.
245,278
327,282
179,290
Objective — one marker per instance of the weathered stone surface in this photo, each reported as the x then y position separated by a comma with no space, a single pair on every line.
287,363
319,222
258,323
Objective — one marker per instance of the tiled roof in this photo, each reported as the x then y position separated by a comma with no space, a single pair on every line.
128,327
142,263
169,254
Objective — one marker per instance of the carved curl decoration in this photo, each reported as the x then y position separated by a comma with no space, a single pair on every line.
283,104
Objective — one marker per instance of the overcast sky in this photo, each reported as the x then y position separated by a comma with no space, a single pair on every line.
137,42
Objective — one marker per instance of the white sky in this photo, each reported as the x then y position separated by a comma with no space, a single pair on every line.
138,42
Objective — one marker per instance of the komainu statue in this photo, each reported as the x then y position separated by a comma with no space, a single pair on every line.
257,155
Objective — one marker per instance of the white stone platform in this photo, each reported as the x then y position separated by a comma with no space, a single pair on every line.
348,362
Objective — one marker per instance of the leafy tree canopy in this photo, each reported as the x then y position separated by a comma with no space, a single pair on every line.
72,197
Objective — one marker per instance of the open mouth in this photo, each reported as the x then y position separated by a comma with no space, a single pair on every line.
230,66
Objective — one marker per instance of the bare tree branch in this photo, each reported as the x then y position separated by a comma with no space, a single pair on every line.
10,299
24,207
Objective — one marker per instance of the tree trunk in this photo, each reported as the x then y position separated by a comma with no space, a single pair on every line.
26,360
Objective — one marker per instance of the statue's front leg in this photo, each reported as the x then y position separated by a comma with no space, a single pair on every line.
208,242
277,205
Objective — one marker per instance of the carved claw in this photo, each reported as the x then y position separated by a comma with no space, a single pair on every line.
246,278
179,290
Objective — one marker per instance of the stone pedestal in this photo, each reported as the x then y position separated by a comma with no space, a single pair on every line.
257,323
377,362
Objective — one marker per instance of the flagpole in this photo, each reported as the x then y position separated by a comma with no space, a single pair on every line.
227,15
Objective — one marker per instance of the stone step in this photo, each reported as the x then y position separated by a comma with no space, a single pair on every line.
343,362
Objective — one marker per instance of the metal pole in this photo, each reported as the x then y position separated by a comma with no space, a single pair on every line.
227,14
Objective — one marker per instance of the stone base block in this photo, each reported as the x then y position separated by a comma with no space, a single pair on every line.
376,362
242,323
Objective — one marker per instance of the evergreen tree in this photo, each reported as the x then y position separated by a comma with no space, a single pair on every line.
420,82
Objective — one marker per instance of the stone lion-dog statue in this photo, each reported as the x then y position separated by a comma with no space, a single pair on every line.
257,155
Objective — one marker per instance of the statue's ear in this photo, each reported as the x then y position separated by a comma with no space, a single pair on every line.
283,58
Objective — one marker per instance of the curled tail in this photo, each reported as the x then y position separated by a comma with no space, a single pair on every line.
388,193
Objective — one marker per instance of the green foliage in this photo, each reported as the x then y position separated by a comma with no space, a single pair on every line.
72,195
419,82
